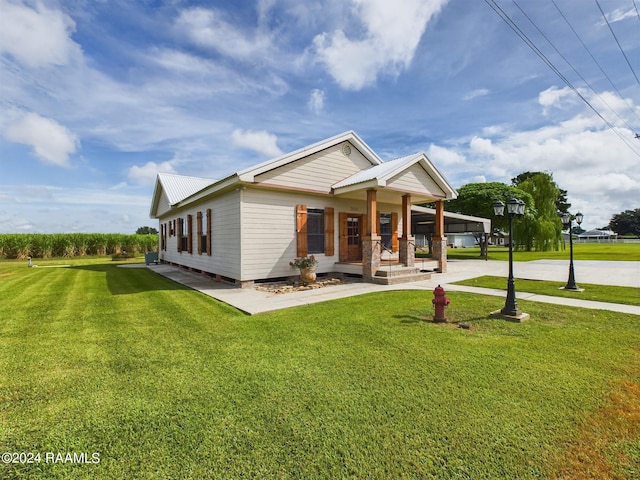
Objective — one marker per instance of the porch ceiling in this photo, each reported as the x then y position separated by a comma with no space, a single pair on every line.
387,195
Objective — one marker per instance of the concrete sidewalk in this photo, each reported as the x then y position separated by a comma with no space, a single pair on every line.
253,301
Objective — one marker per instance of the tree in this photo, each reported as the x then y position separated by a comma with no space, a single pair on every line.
146,231
544,231
626,223
477,199
562,204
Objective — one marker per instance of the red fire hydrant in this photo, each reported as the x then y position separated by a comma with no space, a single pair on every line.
439,302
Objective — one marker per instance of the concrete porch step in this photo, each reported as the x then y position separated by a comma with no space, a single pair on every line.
396,271
395,280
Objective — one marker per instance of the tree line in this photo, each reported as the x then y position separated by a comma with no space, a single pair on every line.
541,227
49,245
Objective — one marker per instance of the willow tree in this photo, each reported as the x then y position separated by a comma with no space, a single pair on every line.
542,231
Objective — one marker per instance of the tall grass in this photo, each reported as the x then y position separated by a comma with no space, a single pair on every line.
43,245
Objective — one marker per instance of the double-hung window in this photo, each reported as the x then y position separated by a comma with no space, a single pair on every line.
315,230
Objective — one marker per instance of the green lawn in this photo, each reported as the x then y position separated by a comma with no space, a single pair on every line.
581,251
163,382
598,293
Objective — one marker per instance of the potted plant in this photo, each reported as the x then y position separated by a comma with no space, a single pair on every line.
307,267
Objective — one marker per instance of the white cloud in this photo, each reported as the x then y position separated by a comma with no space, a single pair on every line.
621,14
444,156
316,100
36,36
575,157
147,173
392,31
51,141
555,97
480,92
207,28
47,208
259,141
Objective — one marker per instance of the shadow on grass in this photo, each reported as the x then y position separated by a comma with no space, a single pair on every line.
126,281
407,320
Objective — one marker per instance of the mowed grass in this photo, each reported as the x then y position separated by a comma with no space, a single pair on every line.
598,293
581,251
164,382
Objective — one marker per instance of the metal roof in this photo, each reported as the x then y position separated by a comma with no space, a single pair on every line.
381,171
179,187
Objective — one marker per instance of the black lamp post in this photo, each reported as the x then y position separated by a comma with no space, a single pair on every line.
566,219
510,311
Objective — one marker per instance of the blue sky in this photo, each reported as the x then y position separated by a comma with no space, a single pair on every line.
98,96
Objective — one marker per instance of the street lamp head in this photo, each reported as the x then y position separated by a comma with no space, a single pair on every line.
579,218
498,208
566,217
520,209
513,206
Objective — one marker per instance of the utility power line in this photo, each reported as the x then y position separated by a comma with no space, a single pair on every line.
571,65
616,38
631,109
509,21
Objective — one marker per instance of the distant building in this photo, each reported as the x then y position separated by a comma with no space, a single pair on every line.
597,236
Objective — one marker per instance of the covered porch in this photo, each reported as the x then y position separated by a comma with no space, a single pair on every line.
402,182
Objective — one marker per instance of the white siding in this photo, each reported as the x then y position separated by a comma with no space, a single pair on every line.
225,241
415,179
265,243
319,171
269,230
163,204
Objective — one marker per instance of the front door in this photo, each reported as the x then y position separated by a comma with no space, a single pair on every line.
351,226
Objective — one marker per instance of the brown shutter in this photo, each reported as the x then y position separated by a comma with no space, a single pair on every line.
394,232
189,234
329,231
301,230
209,231
179,234
199,231
343,228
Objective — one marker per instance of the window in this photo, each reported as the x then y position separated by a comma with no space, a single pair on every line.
184,235
208,234
202,239
386,230
315,230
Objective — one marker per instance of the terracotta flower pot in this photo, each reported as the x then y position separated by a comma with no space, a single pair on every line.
308,275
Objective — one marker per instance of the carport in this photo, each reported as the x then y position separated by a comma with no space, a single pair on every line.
423,226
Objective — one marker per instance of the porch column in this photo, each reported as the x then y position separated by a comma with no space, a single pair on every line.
439,243
407,245
371,250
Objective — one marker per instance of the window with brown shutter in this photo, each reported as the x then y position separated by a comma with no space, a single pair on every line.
179,233
199,232
189,234
329,231
301,230
208,231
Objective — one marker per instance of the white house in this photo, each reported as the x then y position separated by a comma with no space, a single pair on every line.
335,199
